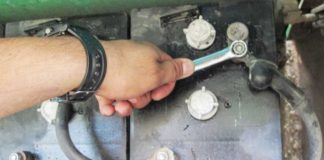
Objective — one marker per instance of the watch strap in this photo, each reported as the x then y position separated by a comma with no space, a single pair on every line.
95,68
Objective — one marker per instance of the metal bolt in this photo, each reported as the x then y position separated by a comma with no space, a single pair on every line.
15,156
48,30
239,47
22,155
163,154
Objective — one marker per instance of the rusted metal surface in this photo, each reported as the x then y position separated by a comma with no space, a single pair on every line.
304,67
292,126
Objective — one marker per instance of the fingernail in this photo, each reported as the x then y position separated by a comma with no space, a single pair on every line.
133,100
187,68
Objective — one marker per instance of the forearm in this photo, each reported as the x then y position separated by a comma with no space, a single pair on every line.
35,69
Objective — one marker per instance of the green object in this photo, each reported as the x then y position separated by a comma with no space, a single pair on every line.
290,26
288,30
16,10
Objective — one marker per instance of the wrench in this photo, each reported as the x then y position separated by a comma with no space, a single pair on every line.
237,49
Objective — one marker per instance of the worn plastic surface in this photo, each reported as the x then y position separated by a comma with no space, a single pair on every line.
247,124
94,135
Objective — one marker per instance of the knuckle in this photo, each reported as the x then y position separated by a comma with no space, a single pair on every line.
178,71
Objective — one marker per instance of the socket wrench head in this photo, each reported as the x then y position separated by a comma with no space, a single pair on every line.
239,48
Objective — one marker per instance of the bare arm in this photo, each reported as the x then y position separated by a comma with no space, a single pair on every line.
35,69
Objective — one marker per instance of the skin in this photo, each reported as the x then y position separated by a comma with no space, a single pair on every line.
36,69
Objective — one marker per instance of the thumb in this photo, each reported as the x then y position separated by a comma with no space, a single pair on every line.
176,69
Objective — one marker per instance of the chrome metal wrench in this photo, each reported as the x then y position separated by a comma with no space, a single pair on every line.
237,49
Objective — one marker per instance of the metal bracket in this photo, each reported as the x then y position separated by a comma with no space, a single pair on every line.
187,14
46,28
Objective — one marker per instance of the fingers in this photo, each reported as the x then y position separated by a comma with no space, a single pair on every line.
176,69
123,108
163,91
142,101
105,106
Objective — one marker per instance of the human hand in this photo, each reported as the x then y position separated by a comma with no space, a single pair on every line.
137,73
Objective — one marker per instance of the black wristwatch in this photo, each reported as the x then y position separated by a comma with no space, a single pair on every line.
96,65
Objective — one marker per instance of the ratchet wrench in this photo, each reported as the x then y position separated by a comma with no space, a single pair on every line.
237,49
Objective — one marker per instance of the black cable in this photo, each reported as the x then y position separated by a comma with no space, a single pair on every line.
264,75
63,116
